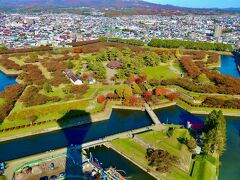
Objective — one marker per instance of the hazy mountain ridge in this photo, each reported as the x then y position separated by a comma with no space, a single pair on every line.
118,4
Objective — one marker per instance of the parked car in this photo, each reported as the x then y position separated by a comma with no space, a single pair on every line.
62,175
53,177
2,166
52,166
43,178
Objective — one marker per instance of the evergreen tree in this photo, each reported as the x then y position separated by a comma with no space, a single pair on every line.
150,59
70,65
102,56
221,133
215,133
47,88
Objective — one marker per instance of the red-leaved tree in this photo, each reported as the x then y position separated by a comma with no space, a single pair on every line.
101,99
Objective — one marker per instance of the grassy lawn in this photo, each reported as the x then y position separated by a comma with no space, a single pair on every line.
19,61
178,174
205,109
27,130
1,101
47,111
51,110
91,92
177,65
135,152
196,94
204,170
8,71
44,112
170,144
98,108
159,72
111,87
3,178
44,70
215,65
191,93
132,149
57,91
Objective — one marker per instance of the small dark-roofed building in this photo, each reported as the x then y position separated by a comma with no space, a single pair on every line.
114,64
72,77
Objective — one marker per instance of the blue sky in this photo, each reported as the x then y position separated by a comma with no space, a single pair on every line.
200,3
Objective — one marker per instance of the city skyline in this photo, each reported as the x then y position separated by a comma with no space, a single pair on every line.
200,3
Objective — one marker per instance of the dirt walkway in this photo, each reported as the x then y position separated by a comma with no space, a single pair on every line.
173,68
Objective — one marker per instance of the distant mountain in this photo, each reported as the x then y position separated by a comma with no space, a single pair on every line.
100,4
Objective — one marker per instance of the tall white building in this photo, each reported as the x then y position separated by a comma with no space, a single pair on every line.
218,31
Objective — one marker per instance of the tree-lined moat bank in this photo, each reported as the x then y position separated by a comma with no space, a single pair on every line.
106,114
63,89
237,58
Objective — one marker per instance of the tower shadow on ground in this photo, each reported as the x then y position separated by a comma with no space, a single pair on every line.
74,153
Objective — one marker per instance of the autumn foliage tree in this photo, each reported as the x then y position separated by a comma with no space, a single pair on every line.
132,101
160,91
147,95
191,68
78,89
131,79
101,99
32,75
10,96
172,96
8,64
31,97
78,50
111,95
127,92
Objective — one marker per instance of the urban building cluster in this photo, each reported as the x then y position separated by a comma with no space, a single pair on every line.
25,30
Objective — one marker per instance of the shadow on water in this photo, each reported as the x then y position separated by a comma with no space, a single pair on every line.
74,159
75,135
104,156
110,158
120,121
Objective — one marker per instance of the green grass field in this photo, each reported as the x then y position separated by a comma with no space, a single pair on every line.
44,70
1,101
206,110
132,149
3,178
178,174
170,144
47,111
178,66
19,61
204,171
159,72
57,91
137,152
